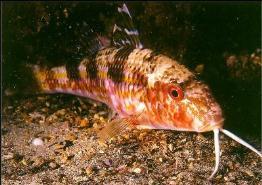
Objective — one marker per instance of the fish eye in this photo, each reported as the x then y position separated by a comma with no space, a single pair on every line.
175,92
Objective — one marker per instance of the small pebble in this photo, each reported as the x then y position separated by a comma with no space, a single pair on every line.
199,68
95,126
170,147
58,146
52,118
84,123
70,137
172,182
44,109
151,182
37,142
89,170
126,135
122,168
237,164
108,162
53,165
101,119
8,156
64,159
47,104
137,170
91,111
96,116
41,98
191,166
248,172
230,165
186,152
101,151
142,136
200,137
102,172
101,113
42,121
24,162
61,112
38,161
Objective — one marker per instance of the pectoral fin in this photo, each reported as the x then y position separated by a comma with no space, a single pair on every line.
116,127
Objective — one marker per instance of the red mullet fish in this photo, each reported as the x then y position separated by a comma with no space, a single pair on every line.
144,88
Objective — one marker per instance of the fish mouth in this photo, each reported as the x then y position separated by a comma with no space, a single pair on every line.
211,124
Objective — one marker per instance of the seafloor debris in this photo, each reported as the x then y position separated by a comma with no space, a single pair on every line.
37,142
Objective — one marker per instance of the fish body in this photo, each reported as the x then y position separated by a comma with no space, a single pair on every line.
145,89
133,82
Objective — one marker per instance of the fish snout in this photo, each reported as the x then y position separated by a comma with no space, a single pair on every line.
212,119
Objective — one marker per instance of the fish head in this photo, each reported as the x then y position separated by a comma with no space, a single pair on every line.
182,102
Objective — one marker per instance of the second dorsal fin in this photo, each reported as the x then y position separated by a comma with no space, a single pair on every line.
124,32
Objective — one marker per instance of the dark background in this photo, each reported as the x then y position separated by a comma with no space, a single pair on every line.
194,33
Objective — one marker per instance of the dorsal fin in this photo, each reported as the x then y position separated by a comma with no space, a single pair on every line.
124,32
